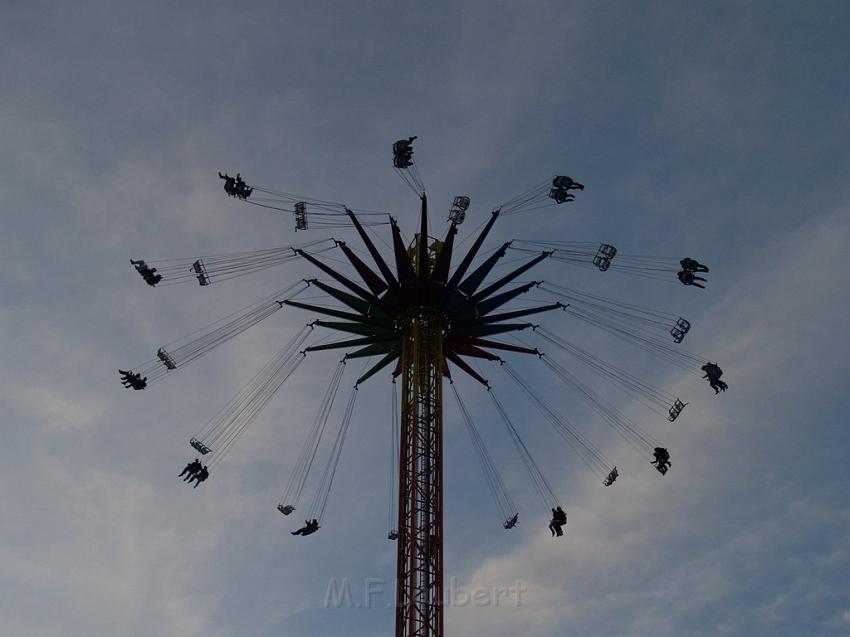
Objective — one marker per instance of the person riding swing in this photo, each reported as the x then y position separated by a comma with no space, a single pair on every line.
662,459
191,469
309,527
559,519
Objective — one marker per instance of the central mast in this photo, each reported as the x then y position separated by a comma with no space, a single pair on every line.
419,593
419,577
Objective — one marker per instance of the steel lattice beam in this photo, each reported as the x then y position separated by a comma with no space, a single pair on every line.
419,588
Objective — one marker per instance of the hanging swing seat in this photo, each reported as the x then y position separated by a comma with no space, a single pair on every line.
300,216
603,257
201,272
285,509
679,330
675,409
166,359
199,446
458,210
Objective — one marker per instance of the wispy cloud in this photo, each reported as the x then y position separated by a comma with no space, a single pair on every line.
57,410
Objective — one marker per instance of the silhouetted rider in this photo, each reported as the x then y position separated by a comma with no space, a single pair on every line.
692,265
662,459
309,527
689,278
713,374
202,475
191,469
559,519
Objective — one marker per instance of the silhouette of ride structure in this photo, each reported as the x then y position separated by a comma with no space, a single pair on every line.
430,312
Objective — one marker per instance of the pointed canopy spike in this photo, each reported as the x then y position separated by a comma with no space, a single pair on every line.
372,280
355,328
374,350
475,352
386,360
506,316
422,261
406,273
366,309
373,251
467,260
457,360
353,342
351,285
481,342
483,294
348,316
486,330
441,268
471,283
488,305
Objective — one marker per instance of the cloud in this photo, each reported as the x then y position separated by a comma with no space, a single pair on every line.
615,573
58,410
116,560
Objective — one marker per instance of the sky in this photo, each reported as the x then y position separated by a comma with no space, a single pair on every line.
714,130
